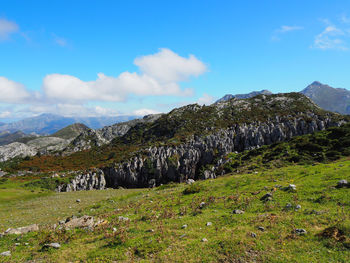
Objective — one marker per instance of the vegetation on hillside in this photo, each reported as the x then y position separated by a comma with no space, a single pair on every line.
197,223
177,127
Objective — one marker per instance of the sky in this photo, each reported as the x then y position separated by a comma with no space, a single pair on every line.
108,58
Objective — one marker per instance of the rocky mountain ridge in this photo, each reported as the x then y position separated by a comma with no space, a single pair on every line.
241,125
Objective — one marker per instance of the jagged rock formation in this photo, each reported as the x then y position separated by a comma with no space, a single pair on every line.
201,157
91,138
85,181
16,149
244,96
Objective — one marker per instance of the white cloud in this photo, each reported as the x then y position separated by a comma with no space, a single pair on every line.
206,99
160,75
12,92
60,40
330,38
143,112
5,114
7,28
72,110
168,67
285,29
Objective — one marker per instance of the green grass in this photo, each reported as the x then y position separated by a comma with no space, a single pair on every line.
166,208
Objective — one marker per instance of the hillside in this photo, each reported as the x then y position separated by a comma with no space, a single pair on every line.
71,131
244,96
189,223
328,98
189,142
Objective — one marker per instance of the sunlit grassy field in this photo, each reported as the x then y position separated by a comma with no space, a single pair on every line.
155,232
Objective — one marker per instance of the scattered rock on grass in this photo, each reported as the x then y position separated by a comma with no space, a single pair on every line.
209,224
204,240
184,226
300,231
291,187
190,181
6,254
261,228
297,207
52,245
201,205
78,200
266,197
122,218
238,212
22,230
342,184
252,234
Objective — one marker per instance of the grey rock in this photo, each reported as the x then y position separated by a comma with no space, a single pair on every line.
21,230
261,228
6,254
202,205
190,181
297,207
300,231
288,206
342,183
52,245
238,211
78,200
209,224
93,179
184,226
122,218
266,197
252,234
204,240
292,187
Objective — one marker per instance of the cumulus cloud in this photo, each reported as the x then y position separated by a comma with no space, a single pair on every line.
12,92
143,112
160,74
331,37
7,28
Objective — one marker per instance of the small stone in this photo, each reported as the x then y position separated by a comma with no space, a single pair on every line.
342,183
190,181
26,244
184,226
266,197
201,205
122,218
238,212
300,231
252,234
150,230
182,236
288,206
204,240
297,207
53,245
209,224
78,200
292,187
6,254
261,228
114,229
17,244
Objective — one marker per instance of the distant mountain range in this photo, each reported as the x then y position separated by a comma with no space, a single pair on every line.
328,98
51,123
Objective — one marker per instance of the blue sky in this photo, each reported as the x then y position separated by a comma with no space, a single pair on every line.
136,57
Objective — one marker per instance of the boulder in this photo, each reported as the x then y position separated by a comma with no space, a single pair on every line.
22,230
81,222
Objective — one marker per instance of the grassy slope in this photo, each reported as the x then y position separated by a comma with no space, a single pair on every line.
166,209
